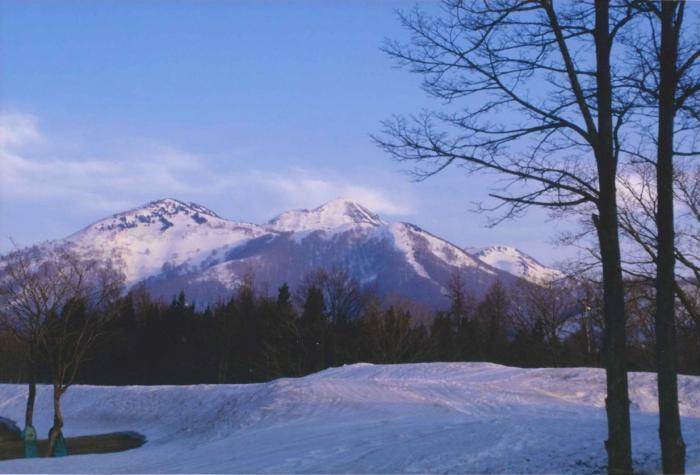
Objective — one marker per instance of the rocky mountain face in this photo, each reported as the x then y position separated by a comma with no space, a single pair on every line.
169,245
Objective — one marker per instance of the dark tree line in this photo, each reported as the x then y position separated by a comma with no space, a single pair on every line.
256,337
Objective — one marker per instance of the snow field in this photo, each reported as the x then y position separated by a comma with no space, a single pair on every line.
414,418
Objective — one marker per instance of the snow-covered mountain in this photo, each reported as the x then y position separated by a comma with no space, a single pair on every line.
165,234
518,263
169,245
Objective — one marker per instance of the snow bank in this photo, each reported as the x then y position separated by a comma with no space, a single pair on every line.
440,418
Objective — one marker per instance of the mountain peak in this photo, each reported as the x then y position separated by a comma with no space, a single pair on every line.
333,214
516,262
173,206
163,214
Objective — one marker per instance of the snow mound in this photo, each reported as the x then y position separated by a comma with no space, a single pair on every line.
413,418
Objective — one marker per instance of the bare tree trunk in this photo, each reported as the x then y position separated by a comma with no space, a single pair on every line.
618,445
672,445
31,398
588,326
29,414
57,420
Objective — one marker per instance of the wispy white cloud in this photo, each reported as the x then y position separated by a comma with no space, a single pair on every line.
306,189
17,129
93,183
135,173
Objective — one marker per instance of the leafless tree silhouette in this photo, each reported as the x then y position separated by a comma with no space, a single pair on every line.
547,110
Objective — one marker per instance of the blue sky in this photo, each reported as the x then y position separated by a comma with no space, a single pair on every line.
248,108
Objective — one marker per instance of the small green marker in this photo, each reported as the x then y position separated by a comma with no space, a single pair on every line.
60,450
29,437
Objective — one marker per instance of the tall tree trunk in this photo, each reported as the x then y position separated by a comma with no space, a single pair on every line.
672,445
31,398
618,445
57,420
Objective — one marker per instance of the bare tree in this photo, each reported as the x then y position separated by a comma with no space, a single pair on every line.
342,294
667,78
638,206
688,235
590,318
28,295
90,288
57,302
672,444
642,221
551,71
549,306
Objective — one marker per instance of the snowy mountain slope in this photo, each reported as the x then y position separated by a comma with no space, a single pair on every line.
395,259
169,245
517,263
414,418
165,233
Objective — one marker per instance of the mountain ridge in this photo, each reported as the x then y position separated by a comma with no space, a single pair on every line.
170,245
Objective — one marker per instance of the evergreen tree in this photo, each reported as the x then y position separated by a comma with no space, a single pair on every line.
313,329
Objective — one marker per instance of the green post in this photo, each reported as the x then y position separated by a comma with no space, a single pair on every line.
29,437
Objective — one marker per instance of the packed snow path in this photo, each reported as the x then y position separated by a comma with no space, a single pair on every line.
441,417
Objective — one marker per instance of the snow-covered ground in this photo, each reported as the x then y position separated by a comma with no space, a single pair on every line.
441,417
